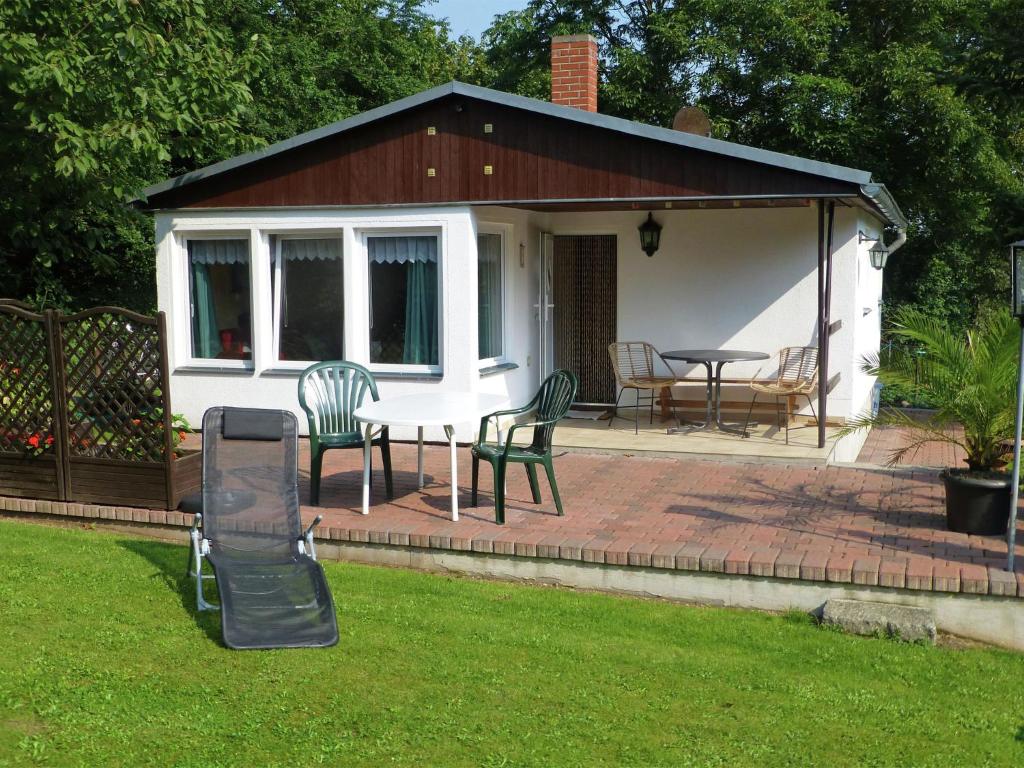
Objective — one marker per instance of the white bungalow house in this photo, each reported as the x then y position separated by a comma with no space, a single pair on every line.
467,239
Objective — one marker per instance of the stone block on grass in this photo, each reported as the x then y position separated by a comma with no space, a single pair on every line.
864,617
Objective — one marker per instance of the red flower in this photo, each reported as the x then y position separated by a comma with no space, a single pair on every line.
181,435
136,422
34,441
49,439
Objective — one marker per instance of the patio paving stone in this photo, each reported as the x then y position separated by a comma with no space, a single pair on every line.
1001,582
812,567
737,561
892,572
787,564
974,579
865,570
762,561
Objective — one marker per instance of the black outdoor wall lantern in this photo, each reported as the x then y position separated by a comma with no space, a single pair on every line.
1017,279
878,253
650,235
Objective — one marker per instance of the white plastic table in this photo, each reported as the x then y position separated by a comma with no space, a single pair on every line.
428,409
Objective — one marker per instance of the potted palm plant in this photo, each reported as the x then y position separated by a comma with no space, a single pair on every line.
971,379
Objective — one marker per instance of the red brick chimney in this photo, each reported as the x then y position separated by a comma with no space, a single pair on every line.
574,71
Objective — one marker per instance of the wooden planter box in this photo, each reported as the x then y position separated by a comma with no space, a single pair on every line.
32,477
103,481
134,484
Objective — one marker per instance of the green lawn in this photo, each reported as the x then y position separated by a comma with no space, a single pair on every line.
104,662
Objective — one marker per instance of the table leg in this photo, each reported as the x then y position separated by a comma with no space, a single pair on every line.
367,446
718,403
710,397
664,397
450,431
685,427
419,457
718,394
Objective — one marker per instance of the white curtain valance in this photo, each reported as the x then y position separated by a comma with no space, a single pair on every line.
303,249
399,250
218,251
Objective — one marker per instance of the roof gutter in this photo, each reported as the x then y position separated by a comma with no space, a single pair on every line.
879,196
883,201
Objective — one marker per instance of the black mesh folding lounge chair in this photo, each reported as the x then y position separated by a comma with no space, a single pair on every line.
272,591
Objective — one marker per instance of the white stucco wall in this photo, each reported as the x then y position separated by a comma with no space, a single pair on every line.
197,385
739,278
742,279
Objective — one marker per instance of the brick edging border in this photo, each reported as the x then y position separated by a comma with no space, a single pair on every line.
918,574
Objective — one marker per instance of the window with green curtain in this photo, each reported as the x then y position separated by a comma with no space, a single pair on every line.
309,303
490,293
220,298
403,299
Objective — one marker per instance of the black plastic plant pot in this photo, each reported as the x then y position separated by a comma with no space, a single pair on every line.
977,502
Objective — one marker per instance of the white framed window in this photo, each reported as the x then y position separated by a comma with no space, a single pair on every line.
307,287
491,297
404,296
219,279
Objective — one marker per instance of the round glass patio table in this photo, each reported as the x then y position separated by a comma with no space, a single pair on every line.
426,409
716,358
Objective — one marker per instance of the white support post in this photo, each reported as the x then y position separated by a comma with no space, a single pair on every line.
450,431
419,457
367,446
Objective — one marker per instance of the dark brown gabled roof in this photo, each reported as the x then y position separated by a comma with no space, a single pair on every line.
537,153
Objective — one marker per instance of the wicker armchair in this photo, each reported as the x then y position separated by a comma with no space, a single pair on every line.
797,375
633,363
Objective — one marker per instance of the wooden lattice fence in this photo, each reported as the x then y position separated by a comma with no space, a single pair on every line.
85,412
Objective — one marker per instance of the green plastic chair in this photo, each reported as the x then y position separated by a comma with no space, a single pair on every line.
547,407
329,392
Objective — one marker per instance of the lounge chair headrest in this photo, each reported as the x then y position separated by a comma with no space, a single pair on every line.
252,424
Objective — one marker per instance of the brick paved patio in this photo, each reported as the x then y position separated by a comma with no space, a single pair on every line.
864,524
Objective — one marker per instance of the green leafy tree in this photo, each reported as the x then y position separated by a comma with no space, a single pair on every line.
920,93
97,98
333,58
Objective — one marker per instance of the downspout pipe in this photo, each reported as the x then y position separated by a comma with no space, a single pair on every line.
901,238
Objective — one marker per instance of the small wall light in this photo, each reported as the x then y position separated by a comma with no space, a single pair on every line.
650,235
878,253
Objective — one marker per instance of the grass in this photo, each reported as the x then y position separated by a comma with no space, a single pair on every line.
104,662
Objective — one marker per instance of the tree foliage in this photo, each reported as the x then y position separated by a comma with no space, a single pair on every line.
928,96
98,97
334,58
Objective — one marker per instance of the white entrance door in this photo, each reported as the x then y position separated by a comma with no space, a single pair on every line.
546,305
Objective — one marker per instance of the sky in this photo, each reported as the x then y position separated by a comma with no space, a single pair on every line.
472,16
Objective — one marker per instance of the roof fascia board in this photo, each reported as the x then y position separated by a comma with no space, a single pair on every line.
639,201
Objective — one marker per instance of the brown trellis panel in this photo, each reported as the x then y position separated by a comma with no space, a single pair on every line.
113,386
29,458
88,413
585,287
